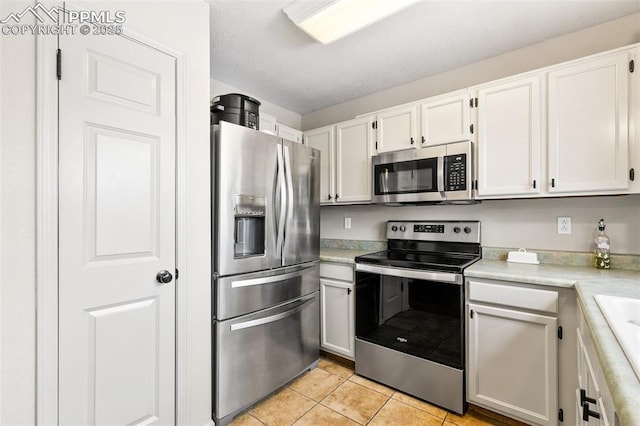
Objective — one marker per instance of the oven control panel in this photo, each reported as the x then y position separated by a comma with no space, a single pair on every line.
446,230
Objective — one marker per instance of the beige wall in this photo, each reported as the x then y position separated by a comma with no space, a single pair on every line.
617,33
505,223
283,116
185,28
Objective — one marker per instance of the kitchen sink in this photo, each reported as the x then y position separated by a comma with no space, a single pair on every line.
623,316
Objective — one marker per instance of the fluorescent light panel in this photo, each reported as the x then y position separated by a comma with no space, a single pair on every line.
329,21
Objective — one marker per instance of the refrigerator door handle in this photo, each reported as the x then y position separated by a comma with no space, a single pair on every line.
289,187
273,318
279,210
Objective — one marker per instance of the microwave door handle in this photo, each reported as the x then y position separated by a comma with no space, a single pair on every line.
440,167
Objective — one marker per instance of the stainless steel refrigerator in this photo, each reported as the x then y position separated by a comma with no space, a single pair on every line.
266,245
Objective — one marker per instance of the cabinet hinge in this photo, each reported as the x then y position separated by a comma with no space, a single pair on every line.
177,274
476,102
632,65
59,64
471,103
471,129
471,313
560,332
632,174
376,145
475,184
560,415
374,124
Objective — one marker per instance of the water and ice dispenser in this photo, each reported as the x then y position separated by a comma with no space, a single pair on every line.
249,232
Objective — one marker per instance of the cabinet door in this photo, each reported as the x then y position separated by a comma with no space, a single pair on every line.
289,133
445,119
588,126
397,129
509,138
337,317
353,160
322,139
512,363
268,124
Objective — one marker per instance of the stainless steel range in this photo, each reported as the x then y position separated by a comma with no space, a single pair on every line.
410,307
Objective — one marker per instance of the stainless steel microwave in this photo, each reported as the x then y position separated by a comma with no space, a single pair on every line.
435,174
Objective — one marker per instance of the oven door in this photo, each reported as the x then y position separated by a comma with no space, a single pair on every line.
411,311
409,176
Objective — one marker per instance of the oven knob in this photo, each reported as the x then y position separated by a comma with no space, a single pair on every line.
456,229
394,228
403,228
467,230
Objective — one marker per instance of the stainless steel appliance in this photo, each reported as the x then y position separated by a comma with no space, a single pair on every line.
410,306
435,174
266,244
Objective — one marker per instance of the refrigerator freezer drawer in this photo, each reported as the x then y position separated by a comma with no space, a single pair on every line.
242,294
257,353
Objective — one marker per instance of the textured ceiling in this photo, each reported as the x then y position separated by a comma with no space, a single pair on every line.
255,47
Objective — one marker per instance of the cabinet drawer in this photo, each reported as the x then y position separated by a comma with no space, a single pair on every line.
336,271
519,297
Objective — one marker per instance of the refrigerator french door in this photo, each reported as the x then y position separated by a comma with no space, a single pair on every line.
266,244
267,201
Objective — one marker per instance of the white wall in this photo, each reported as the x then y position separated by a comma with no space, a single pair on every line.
17,225
184,26
620,32
506,223
283,116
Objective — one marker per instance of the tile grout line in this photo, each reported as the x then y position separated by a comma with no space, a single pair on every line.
381,407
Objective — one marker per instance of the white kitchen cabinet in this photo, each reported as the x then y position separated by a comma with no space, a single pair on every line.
592,394
323,139
345,162
337,309
289,133
588,126
268,124
512,353
445,119
396,128
509,138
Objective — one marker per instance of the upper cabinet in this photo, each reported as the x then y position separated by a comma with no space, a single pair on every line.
397,128
289,133
509,137
588,125
345,160
323,139
445,119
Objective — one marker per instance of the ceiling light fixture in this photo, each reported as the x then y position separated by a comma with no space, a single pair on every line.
327,21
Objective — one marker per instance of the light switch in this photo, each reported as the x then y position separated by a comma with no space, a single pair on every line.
347,223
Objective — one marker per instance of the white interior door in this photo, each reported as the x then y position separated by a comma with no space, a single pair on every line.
116,232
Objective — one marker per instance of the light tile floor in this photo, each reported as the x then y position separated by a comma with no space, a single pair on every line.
333,395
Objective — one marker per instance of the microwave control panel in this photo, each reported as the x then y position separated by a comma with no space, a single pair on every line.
455,172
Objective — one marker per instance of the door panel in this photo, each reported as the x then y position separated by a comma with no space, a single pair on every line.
116,231
246,165
302,228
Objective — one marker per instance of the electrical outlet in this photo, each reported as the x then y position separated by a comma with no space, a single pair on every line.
347,223
564,225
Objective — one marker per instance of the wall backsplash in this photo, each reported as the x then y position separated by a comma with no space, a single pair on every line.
528,223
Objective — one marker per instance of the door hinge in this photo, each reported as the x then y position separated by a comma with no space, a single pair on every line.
59,64
471,313
560,415
632,65
560,332
471,128
632,174
177,274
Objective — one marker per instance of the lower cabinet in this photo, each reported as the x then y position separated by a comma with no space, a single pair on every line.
594,405
337,307
512,350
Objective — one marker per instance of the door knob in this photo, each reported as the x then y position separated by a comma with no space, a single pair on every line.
164,277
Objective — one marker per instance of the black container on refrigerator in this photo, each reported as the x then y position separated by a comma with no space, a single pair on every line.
237,109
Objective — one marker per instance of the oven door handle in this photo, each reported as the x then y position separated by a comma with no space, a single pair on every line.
445,277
